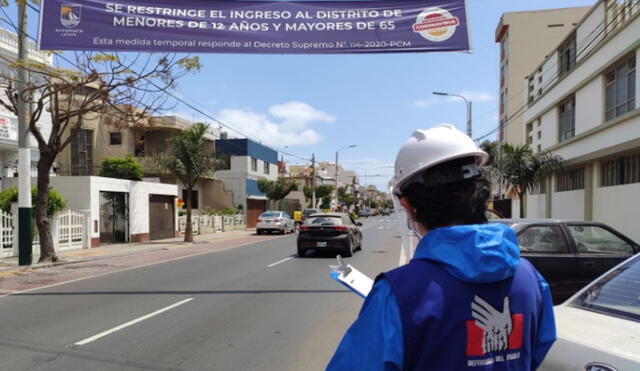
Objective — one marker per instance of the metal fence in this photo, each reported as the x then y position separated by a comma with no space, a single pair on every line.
205,224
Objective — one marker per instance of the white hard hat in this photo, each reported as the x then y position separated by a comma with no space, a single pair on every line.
430,147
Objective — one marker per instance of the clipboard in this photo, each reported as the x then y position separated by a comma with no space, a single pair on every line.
351,278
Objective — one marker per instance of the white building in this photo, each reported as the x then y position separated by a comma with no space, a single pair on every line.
9,121
250,161
584,105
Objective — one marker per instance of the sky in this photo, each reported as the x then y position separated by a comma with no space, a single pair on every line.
316,104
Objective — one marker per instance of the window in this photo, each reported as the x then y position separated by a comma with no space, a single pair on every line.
139,145
254,164
567,119
266,167
540,188
194,198
82,152
115,138
543,239
570,180
539,135
620,89
616,293
593,239
622,170
567,55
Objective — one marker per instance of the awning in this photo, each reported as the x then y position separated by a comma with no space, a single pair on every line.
252,197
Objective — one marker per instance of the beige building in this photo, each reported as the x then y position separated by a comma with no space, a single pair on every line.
99,138
524,37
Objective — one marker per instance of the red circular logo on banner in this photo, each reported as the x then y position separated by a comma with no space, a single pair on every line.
436,24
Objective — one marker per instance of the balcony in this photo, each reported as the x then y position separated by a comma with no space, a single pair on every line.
9,46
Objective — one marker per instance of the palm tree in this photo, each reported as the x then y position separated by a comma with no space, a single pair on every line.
521,169
190,157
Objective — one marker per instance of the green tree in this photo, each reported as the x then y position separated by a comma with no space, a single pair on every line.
56,202
347,198
518,167
189,158
122,168
322,192
277,190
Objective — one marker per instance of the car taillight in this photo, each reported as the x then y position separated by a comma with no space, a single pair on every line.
260,220
304,228
341,228
278,220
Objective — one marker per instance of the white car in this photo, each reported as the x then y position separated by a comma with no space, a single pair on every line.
278,221
599,327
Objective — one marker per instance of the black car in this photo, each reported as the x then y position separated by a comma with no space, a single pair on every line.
570,254
307,212
330,232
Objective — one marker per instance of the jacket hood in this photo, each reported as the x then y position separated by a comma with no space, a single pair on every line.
479,253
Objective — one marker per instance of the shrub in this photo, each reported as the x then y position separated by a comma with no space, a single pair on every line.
122,168
56,202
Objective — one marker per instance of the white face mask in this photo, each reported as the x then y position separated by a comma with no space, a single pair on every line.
409,235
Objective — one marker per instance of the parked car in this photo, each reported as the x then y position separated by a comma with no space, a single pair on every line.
330,232
278,221
570,254
363,213
599,328
306,213
385,212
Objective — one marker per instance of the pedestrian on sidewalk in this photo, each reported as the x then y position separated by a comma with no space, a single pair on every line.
466,300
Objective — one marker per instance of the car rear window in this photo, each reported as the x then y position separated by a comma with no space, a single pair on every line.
617,293
270,215
325,220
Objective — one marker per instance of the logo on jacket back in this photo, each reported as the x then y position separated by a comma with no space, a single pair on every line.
493,331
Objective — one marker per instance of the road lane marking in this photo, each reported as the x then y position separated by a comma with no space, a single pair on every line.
130,323
281,261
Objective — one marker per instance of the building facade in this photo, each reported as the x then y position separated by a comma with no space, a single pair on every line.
249,162
584,105
523,38
9,121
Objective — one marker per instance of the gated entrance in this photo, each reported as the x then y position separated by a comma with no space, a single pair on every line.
114,217
161,217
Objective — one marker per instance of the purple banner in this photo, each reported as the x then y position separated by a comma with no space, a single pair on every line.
279,27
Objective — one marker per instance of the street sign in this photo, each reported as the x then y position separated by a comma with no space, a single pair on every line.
279,27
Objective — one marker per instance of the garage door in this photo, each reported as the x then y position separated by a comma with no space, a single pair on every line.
161,217
254,209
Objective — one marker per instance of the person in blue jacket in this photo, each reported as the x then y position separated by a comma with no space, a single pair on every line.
466,300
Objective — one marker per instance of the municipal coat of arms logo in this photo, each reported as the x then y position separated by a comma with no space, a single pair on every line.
70,15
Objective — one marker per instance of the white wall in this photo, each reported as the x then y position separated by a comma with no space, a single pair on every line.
588,33
568,205
590,105
549,128
536,206
619,207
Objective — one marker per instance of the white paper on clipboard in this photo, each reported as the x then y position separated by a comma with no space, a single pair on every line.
352,278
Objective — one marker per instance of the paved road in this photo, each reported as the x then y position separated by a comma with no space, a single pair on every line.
255,307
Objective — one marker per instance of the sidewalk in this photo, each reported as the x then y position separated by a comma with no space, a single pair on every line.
10,265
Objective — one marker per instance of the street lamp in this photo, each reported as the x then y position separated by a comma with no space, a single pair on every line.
468,108
336,172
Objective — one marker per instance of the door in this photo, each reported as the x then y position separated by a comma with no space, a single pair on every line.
161,217
254,209
546,247
599,249
114,217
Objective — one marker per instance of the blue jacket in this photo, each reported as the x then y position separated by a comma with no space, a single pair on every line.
465,301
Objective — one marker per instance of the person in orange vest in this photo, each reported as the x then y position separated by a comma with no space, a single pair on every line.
297,219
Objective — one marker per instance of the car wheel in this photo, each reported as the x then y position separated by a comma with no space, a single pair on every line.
301,253
348,251
258,231
359,245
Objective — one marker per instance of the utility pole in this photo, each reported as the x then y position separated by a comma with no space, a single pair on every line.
313,180
24,152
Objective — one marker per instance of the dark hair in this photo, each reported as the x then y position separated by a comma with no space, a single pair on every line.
456,203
